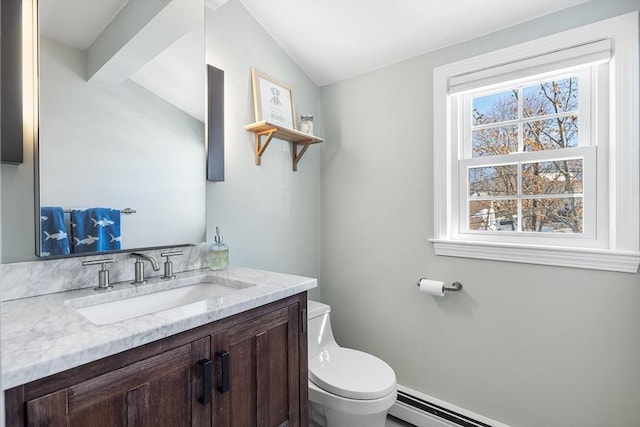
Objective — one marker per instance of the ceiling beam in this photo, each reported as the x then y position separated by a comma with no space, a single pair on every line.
141,31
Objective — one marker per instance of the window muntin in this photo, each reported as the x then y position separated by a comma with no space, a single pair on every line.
495,107
539,194
613,124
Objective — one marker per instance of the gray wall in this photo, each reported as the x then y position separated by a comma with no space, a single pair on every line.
269,214
17,205
525,345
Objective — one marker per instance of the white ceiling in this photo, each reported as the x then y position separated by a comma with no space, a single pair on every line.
176,74
332,40
76,23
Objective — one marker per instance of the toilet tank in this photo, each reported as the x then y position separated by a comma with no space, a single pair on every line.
319,334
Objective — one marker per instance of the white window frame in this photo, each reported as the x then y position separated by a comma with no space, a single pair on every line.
614,243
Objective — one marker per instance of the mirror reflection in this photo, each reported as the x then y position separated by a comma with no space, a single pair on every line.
121,125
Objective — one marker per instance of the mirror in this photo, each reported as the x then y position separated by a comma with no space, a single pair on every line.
121,125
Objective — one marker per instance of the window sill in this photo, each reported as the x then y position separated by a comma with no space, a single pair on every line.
594,259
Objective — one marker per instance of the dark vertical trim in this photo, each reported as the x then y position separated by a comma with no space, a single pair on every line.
303,355
14,410
11,82
1,62
215,124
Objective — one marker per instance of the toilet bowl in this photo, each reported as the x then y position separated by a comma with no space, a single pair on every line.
347,388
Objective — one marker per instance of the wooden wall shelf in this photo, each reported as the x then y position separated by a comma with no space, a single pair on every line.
300,140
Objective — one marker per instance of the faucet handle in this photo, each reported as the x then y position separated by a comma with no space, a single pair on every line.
103,274
168,265
171,253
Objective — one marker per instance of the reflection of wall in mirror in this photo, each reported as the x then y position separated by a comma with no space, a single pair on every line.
122,147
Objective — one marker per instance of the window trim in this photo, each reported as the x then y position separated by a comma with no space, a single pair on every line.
621,251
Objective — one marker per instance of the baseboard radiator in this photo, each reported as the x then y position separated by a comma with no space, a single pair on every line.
425,411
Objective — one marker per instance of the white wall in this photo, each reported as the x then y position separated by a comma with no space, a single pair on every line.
269,214
525,345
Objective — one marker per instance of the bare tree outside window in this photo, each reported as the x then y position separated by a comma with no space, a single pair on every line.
535,196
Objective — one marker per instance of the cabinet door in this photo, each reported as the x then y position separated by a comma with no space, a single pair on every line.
263,371
157,391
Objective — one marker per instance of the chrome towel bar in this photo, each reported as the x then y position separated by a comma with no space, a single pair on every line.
125,211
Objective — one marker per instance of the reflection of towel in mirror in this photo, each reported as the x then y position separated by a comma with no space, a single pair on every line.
54,231
95,229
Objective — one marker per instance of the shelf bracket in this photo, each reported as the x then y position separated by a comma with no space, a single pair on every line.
298,155
260,147
265,132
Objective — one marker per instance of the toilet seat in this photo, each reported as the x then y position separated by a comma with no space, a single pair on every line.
351,373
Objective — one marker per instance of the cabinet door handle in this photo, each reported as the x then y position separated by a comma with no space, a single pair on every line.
224,385
207,381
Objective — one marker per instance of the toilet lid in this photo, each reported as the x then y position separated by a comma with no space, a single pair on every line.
351,373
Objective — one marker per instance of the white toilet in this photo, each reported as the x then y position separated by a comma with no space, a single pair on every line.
347,388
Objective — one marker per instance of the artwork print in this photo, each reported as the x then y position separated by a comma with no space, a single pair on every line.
273,101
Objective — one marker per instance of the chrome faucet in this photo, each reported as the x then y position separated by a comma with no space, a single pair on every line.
139,266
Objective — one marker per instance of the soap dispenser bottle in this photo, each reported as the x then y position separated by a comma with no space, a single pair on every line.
218,253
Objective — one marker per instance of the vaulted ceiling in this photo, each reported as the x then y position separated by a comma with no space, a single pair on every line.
330,40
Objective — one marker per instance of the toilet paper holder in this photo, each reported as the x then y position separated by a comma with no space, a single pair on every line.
454,287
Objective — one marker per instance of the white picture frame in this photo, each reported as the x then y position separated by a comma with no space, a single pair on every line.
273,100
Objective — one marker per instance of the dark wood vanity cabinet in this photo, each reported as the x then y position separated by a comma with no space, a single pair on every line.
246,370
263,390
152,392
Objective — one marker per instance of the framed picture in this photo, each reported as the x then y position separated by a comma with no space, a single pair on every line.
272,100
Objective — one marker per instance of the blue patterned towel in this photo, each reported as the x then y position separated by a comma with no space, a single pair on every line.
54,231
95,229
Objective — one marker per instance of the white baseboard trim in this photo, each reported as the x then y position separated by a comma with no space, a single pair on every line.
420,418
416,417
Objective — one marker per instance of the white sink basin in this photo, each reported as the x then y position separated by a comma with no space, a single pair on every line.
198,296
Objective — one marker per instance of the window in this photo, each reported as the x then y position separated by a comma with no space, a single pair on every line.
536,151
526,149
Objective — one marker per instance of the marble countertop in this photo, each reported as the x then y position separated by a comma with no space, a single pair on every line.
44,335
